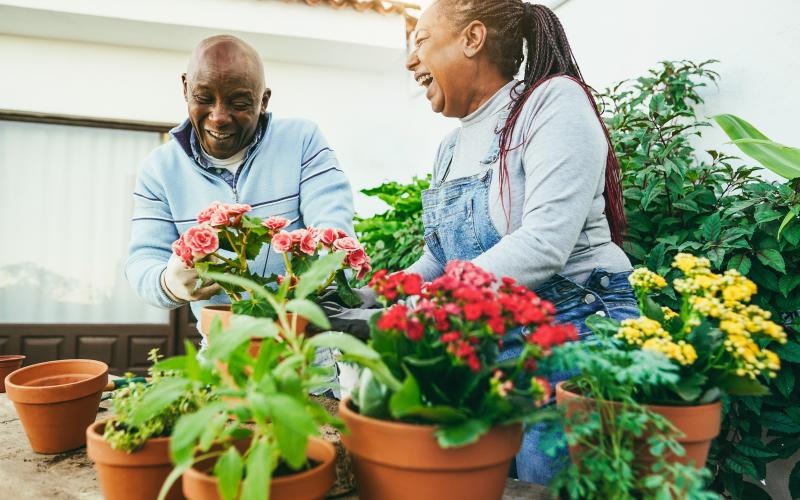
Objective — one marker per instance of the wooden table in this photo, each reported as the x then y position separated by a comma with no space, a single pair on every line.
71,476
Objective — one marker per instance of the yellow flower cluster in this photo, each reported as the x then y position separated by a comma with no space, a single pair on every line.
751,360
668,313
679,351
689,264
646,280
638,331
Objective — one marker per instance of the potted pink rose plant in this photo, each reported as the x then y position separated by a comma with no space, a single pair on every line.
226,239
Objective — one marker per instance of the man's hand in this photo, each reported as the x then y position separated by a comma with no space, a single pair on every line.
178,282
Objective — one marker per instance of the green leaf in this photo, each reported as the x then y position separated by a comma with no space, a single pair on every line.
157,399
794,481
783,160
788,283
779,422
293,424
372,398
709,230
790,216
741,263
772,258
690,387
742,465
653,310
602,325
468,432
407,398
357,352
259,473
345,291
244,283
752,447
789,352
309,310
318,274
741,386
187,430
228,470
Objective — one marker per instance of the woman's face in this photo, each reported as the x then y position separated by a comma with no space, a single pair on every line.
440,65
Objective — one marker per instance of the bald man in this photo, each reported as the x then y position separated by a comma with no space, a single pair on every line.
230,149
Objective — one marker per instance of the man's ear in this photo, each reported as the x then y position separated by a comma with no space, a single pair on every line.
185,84
474,38
265,99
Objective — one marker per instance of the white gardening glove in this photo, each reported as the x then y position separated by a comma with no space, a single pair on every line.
179,281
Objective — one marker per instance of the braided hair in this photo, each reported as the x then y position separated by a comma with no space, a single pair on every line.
515,29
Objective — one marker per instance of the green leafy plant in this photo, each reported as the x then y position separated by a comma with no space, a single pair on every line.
393,239
128,431
261,417
438,360
678,199
611,438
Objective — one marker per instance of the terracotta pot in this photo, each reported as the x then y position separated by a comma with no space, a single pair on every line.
223,312
311,484
146,468
8,364
396,461
699,425
57,400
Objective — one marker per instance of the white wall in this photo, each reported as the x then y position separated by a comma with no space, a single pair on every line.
757,44
377,122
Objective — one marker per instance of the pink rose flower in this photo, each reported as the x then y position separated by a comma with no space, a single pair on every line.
282,242
275,223
357,258
346,244
221,217
205,214
298,234
330,234
362,273
308,243
236,209
201,240
183,252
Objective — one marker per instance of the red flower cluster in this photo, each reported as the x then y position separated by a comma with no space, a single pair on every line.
468,311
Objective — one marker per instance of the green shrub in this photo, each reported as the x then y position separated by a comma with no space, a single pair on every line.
393,239
680,200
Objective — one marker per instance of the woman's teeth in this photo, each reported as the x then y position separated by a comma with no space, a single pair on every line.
424,80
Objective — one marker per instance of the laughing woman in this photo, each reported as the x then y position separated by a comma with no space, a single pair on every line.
528,186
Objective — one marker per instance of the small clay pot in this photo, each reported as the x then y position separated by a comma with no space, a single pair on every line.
699,424
131,476
397,461
312,484
57,400
8,364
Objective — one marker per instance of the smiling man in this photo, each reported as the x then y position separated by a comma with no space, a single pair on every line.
230,149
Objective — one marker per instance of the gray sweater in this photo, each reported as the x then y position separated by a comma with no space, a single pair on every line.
557,177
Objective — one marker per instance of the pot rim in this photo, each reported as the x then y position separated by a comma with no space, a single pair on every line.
199,475
93,383
101,452
11,357
560,387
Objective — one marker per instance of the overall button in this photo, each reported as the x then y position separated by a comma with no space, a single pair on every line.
600,313
589,298
604,281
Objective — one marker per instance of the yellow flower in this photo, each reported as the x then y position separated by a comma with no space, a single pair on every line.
680,351
689,264
646,280
637,331
668,313
707,306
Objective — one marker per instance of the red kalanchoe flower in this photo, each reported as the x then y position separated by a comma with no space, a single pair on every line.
548,336
412,284
450,337
414,330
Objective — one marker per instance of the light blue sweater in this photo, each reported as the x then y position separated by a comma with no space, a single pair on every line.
291,172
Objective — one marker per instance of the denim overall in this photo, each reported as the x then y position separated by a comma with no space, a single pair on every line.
458,227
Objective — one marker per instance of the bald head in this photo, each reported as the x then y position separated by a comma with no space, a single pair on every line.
226,52
225,91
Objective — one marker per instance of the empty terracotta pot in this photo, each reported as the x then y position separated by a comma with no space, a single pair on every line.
699,425
397,461
312,484
147,468
8,364
57,400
